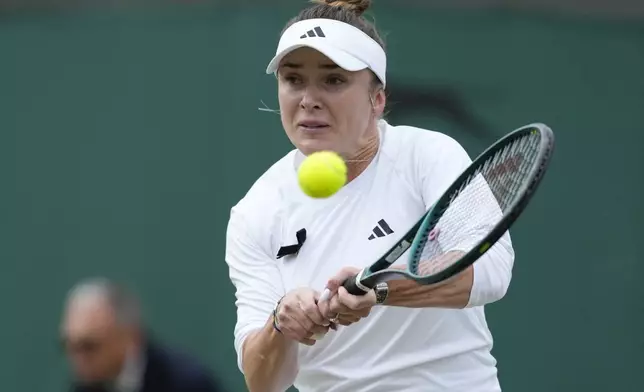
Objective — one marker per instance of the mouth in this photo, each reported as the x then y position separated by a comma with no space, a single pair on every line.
312,125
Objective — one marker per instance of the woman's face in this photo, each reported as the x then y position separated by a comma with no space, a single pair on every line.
324,107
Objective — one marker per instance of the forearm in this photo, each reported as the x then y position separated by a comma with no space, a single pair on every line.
269,360
454,293
482,283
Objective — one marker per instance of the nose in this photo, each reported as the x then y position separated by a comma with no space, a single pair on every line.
310,99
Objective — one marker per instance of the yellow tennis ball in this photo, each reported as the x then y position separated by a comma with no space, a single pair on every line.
322,174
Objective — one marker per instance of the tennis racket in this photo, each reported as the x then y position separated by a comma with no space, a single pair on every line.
471,216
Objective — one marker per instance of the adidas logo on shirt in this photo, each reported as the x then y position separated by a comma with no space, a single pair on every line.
316,32
382,229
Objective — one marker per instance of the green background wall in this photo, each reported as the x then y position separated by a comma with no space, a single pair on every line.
127,136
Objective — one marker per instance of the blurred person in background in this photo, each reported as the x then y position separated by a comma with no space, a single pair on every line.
110,351
401,336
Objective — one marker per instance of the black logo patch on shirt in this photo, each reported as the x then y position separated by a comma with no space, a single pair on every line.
380,230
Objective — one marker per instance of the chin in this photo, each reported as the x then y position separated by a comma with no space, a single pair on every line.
310,146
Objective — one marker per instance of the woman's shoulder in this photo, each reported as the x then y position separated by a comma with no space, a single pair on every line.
406,136
412,143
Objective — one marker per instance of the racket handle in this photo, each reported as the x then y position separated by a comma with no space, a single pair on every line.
351,284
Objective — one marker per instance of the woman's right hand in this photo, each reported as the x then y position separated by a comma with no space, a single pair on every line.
299,318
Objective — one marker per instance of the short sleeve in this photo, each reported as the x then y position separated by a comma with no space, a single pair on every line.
255,276
464,225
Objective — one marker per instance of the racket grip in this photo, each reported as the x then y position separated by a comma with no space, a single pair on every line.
352,287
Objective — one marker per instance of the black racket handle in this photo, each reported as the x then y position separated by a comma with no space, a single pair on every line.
351,285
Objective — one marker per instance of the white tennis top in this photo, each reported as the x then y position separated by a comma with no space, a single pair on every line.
395,348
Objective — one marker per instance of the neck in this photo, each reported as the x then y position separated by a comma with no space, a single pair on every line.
357,163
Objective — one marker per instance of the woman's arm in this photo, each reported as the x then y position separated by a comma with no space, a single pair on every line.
484,282
271,353
270,360
454,293
265,357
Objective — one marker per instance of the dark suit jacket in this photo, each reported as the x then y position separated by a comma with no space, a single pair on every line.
170,371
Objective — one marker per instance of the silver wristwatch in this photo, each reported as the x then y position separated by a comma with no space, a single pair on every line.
382,291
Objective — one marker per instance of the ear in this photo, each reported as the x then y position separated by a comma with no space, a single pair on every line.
378,101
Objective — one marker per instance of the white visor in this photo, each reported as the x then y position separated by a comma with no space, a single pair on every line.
347,46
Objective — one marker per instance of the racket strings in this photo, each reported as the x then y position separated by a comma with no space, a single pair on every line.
478,205
506,187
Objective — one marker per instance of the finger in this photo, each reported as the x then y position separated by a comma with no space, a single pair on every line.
309,326
362,313
292,318
347,319
332,308
303,319
301,333
292,328
307,341
310,307
323,307
337,280
325,295
320,335
336,306
353,302
344,321
319,330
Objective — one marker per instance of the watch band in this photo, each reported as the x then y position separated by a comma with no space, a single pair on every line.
382,291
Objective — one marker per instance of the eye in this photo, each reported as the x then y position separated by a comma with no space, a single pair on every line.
293,79
335,80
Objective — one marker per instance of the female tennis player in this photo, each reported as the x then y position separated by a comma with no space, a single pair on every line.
330,66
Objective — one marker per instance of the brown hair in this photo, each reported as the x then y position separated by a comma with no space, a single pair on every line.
346,11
